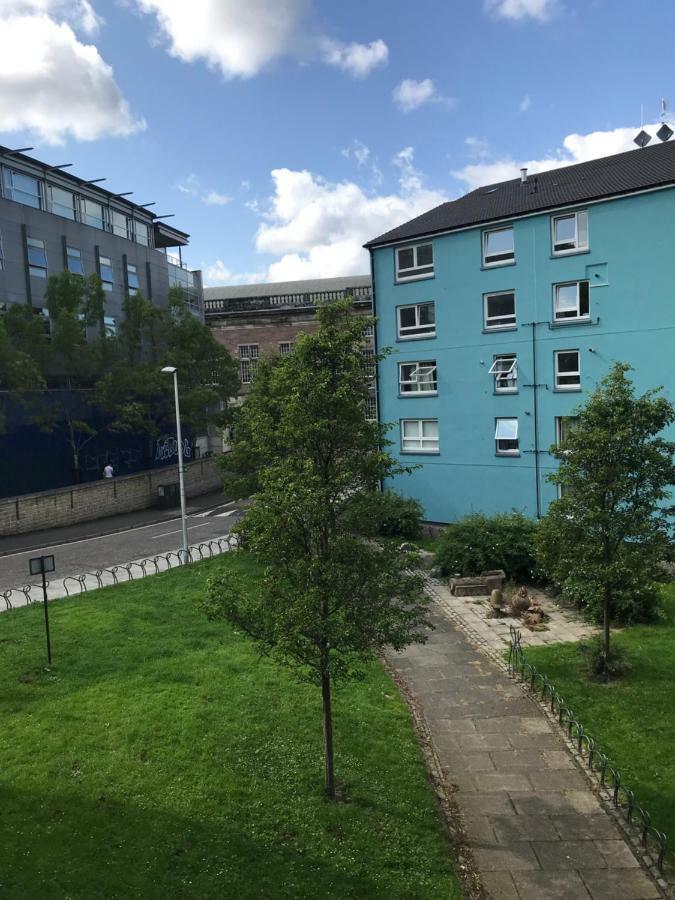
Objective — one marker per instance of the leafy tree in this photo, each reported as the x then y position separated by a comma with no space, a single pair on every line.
19,373
329,598
612,528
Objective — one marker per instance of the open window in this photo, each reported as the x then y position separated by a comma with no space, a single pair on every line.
506,437
417,377
505,370
571,301
37,257
570,233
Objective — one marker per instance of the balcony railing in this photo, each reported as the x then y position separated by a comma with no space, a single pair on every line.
285,301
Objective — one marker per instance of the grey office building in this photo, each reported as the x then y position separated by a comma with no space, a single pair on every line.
52,221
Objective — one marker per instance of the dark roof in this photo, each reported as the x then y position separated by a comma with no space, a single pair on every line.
282,288
610,176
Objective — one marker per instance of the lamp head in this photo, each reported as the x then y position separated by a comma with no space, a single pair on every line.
169,370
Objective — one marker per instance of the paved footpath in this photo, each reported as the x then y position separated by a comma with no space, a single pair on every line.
534,826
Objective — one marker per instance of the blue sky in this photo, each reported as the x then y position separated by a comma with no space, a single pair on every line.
285,133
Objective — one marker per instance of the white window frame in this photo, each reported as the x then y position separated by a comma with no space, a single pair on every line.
489,261
2,255
415,270
285,347
37,270
106,261
110,326
559,436
505,370
248,355
423,444
488,323
506,451
10,191
74,253
72,208
85,216
558,375
124,232
135,223
579,317
412,332
420,369
578,247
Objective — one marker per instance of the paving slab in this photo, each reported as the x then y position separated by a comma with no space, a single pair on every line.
532,822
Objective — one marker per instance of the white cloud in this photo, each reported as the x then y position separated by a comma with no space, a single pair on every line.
218,273
55,86
516,10
576,148
213,198
477,147
317,227
192,185
358,151
411,94
357,59
78,13
238,38
525,103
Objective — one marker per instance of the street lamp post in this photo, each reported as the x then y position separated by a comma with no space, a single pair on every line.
171,370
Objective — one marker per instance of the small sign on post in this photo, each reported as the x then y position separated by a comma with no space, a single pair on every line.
40,565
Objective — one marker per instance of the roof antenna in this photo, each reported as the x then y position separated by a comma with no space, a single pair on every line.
665,132
642,138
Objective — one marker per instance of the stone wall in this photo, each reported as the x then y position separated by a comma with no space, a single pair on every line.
107,497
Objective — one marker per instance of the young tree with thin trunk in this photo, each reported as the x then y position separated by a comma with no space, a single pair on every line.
329,599
606,538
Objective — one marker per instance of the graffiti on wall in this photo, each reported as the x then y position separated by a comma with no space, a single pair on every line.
167,447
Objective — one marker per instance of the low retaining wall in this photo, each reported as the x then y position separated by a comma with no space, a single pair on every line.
107,497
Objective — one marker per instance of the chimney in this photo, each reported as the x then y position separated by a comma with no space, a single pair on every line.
523,176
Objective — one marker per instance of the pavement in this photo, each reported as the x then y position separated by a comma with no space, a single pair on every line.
533,824
116,540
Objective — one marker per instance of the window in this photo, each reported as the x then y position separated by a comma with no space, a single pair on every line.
419,435
132,279
61,203
570,301
570,232
500,310
418,377
93,214
506,437
414,262
498,247
371,406
417,321
505,370
105,272
564,425
74,260
567,370
2,255
119,223
37,257
109,326
22,189
248,361
285,347
141,231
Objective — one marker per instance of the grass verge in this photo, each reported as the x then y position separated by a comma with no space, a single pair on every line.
631,718
160,756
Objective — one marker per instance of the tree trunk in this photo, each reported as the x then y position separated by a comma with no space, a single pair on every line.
605,630
327,727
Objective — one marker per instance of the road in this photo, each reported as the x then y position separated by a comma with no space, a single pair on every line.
84,548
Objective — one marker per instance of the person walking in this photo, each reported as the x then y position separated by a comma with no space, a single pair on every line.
108,471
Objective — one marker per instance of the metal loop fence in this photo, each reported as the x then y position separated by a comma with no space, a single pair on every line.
163,562
654,841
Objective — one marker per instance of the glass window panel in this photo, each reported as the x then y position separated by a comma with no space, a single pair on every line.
425,255
22,188
74,260
406,258
141,233
567,297
62,202
507,429
106,272
119,224
93,214
568,362
408,317
582,229
110,326
427,314
565,230
583,298
498,245
430,429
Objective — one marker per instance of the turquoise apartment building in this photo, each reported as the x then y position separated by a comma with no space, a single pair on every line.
504,309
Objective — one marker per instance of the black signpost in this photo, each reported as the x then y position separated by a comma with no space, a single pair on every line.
40,565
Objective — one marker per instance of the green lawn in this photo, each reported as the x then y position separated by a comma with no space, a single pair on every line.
160,757
632,719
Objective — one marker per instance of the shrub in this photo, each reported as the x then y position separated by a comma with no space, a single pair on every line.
386,514
636,601
479,543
